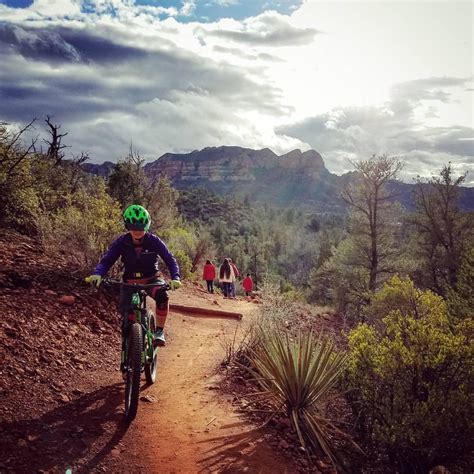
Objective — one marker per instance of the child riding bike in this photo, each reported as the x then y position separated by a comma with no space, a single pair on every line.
140,250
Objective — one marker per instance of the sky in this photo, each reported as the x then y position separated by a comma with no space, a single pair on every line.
348,79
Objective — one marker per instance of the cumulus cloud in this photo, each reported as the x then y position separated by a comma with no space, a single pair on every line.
45,45
226,3
109,82
268,29
245,55
346,133
188,8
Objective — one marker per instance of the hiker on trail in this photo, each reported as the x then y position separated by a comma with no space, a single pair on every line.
237,274
247,284
209,274
226,277
140,250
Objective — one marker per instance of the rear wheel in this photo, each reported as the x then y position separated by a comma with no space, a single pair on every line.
152,352
132,387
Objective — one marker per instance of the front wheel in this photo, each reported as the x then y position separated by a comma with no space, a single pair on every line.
152,353
132,387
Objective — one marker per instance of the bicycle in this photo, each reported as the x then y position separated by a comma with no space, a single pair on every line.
138,353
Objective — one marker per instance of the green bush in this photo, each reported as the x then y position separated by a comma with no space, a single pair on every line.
87,224
184,263
19,202
412,378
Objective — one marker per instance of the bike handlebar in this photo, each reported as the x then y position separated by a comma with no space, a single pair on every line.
137,286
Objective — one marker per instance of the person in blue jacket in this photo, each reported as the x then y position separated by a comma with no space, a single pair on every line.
140,251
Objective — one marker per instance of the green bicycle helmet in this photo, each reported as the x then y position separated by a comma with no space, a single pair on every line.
136,217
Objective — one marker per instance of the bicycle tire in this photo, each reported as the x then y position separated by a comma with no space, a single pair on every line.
150,368
132,387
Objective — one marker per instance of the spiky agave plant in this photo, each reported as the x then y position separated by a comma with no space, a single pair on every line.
296,374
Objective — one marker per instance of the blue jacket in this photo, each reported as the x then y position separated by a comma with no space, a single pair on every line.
142,264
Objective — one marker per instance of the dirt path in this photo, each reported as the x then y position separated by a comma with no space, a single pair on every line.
188,426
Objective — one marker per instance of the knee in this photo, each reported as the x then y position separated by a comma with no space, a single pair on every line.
162,303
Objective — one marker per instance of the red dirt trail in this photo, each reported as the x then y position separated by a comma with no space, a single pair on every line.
186,425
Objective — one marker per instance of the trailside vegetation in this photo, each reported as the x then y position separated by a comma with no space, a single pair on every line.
411,374
52,199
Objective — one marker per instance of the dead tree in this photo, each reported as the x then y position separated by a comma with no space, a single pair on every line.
54,144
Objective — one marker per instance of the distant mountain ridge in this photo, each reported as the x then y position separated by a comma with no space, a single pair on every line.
297,179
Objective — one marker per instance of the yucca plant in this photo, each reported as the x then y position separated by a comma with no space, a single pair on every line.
295,375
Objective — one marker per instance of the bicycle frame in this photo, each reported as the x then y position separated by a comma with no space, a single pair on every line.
138,314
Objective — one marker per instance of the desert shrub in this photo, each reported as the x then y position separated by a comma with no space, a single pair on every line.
286,287
55,182
86,225
411,376
19,203
275,311
184,263
290,292
181,241
34,185
273,315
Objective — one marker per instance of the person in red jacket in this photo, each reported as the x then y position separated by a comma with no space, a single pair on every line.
247,283
209,274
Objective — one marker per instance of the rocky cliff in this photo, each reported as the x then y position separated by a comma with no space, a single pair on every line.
103,169
294,178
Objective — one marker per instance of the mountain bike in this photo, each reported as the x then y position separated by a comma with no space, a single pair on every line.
138,354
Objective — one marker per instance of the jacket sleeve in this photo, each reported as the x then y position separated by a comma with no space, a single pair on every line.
162,250
236,270
109,258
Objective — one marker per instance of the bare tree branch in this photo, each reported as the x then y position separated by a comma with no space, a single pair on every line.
54,146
